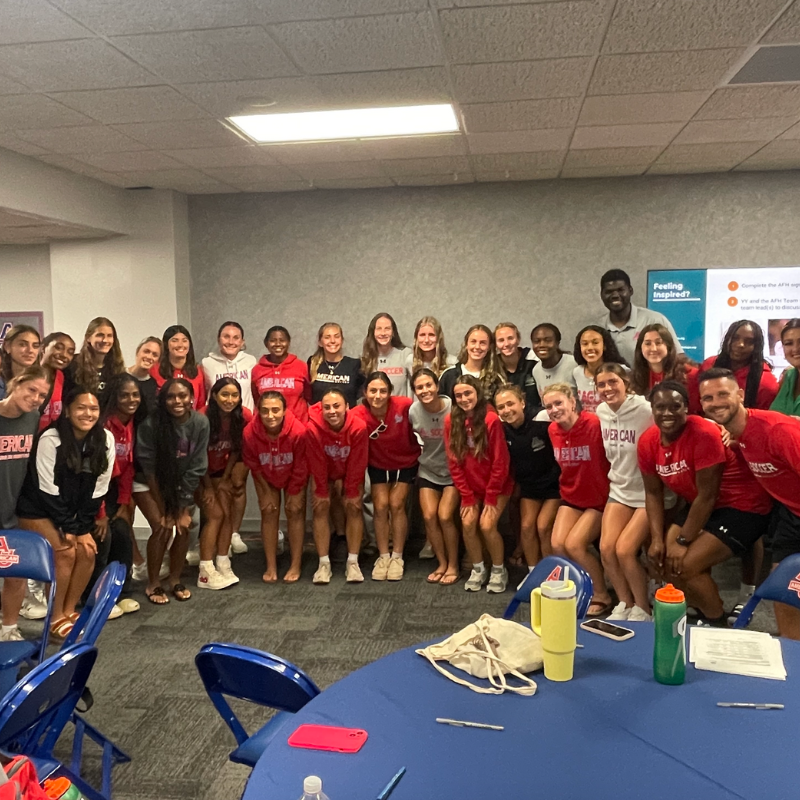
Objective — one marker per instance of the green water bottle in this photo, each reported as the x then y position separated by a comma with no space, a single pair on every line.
669,650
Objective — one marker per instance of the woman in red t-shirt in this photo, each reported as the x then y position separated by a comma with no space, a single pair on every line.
227,418
178,361
56,354
480,466
726,511
578,447
393,462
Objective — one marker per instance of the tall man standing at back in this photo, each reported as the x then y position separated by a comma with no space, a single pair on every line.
625,320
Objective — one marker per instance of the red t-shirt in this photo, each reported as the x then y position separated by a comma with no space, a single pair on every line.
52,411
584,466
770,444
396,447
198,384
767,387
219,452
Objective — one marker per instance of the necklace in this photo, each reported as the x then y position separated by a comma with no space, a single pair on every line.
331,366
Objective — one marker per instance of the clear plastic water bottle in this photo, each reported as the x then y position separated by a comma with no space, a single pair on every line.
312,789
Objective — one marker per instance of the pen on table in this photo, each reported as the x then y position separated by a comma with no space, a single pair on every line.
759,706
389,788
459,723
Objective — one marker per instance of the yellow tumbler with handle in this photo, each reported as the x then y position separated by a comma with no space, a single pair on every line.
554,618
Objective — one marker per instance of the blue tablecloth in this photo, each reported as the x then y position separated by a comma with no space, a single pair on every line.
612,732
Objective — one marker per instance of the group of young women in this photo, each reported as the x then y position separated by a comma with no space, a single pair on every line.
573,443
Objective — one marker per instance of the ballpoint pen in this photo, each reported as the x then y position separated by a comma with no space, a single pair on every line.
759,706
389,788
458,723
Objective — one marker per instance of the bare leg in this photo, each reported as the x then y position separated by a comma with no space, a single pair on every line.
354,517
448,507
429,505
583,533
79,580
398,496
629,546
380,503
615,517
321,507
528,530
239,499
703,553
13,595
213,517
269,502
64,552
752,561
547,517
491,536
177,556
295,507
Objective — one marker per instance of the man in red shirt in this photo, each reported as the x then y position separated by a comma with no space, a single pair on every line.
770,444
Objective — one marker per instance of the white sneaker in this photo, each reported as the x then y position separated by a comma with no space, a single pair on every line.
620,612
323,574
32,608
139,572
638,615
211,579
281,543
116,612
352,572
381,569
237,545
427,551
498,581
476,579
227,572
193,558
395,571
13,635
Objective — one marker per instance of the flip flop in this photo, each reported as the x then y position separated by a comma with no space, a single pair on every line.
604,608
61,628
435,577
449,580
179,589
160,593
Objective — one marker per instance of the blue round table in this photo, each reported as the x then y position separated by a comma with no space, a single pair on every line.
612,732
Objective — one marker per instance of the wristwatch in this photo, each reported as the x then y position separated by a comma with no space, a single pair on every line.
680,540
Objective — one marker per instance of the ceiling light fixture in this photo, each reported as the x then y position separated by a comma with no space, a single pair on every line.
355,123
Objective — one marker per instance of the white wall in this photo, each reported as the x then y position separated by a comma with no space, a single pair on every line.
25,280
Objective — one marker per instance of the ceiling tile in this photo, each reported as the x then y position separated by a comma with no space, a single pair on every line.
352,183
662,72
203,157
512,33
81,168
521,115
36,21
241,176
349,169
784,151
81,139
393,87
630,109
733,130
747,102
729,153
276,186
221,54
792,133
520,141
11,142
488,83
450,179
600,136
658,25
611,157
359,44
129,162
787,29
67,66
517,175
317,152
426,166
602,172
181,180
684,169
141,104
445,144
7,86
517,162
291,10
182,134
36,111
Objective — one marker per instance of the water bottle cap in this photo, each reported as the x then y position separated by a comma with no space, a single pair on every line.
312,785
669,594
558,590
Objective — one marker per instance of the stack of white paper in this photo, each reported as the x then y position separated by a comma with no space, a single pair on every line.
737,652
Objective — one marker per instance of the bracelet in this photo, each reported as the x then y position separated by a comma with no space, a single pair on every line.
682,541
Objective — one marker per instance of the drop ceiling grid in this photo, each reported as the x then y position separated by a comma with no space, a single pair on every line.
135,92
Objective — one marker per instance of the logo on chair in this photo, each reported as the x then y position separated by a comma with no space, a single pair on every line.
794,583
555,575
8,555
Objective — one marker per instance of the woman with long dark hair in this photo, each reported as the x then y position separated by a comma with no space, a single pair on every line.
330,368
68,477
383,350
478,357
593,346
20,350
742,352
480,465
178,361
282,371
55,355
99,360
788,398
172,448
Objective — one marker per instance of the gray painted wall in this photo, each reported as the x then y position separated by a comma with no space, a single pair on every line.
524,252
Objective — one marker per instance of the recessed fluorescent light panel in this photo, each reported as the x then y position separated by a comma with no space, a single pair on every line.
355,123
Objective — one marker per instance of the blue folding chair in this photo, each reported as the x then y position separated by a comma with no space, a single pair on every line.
24,554
781,585
554,568
250,674
98,606
36,710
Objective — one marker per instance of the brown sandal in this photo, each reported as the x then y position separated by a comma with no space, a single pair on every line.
179,589
158,592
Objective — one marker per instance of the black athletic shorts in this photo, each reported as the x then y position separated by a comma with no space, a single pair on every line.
738,530
406,475
785,530
537,490
424,483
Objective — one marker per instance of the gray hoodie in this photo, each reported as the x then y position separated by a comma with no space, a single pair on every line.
216,366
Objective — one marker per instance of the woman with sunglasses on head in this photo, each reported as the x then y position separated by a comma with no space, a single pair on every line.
480,465
275,450
99,360
227,418
393,463
178,361
578,446
338,452
554,365
516,364
330,368
55,355
20,350
787,400
593,347
282,371
429,351
383,350
478,358
68,476
172,448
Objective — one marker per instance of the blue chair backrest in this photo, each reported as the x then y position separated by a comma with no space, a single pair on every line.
781,585
101,600
554,568
249,674
41,703
24,554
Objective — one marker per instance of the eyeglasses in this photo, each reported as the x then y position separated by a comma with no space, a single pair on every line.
378,431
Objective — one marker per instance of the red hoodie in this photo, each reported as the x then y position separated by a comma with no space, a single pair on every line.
123,461
486,478
198,384
396,447
767,387
281,461
690,381
290,378
52,411
219,452
337,455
